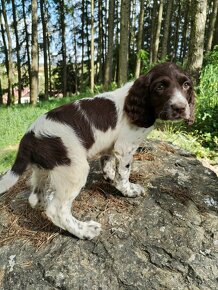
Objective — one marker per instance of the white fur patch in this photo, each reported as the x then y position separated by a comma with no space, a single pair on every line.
7,181
178,98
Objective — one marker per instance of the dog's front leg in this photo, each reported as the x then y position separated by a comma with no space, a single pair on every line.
123,168
108,166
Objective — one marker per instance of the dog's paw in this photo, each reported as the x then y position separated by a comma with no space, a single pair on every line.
134,190
33,200
91,229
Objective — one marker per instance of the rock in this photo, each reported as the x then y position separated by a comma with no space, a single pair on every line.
167,239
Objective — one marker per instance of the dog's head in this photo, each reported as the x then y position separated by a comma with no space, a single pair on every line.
165,92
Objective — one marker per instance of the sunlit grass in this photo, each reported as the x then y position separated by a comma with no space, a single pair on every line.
179,135
6,159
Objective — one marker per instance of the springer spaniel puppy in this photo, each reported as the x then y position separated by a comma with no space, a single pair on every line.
59,144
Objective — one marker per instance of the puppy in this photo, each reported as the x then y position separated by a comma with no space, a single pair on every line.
59,144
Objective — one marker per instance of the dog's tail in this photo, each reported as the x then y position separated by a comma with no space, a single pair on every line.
20,165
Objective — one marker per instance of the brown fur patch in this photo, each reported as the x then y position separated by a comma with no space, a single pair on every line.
71,115
46,152
101,112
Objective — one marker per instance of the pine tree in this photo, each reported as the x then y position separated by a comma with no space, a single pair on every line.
196,46
34,54
124,42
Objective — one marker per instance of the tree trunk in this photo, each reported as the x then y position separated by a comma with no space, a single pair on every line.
34,54
153,29
166,29
63,48
132,26
139,39
109,58
176,36
45,46
27,42
185,31
83,43
75,63
92,64
49,65
116,49
17,50
9,63
100,42
215,34
196,47
157,33
124,42
211,26
88,42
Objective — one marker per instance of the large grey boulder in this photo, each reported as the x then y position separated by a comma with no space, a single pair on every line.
167,239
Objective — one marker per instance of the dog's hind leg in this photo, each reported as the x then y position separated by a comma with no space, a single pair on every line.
67,182
39,183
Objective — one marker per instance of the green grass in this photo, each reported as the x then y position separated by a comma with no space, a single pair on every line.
6,159
179,135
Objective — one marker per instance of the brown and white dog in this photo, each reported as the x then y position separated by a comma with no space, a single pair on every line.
59,144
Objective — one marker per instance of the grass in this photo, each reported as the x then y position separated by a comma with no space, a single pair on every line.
178,134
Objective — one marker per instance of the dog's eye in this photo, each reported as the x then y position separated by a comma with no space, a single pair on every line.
186,85
160,87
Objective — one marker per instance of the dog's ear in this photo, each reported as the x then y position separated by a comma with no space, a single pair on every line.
138,105
191,102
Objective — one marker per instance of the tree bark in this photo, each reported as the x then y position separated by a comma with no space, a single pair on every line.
157,33
139,39
88,42
15,26
124,42
9,64
27,40
166,29
185,31
34,54
92,65
63,48
215,34
45,46
117,40
83,42
100,42
153,29
196,47
49,65
176,36
132,26
109,58
211,26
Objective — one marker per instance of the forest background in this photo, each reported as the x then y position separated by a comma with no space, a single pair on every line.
55,51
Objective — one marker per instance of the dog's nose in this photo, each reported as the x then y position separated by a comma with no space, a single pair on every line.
178,108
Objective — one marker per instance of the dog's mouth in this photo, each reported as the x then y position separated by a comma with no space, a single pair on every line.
173,116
